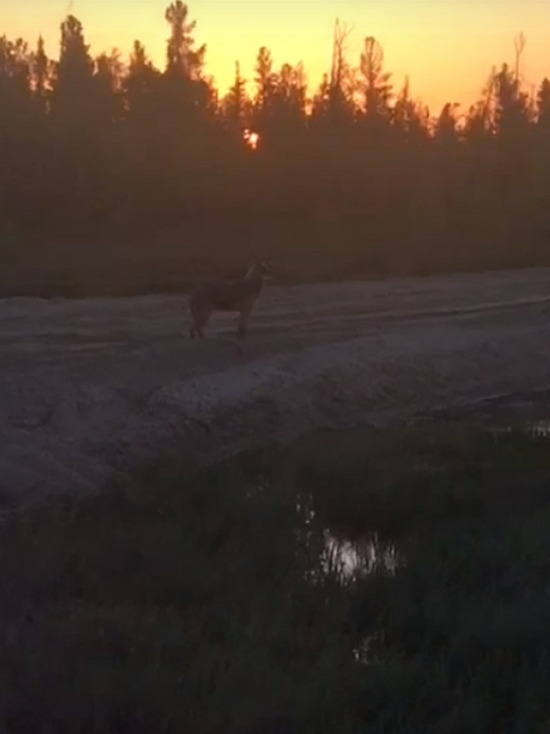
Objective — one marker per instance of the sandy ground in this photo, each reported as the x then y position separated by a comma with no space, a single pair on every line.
89,389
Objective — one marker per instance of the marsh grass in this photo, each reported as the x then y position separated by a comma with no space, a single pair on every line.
205,603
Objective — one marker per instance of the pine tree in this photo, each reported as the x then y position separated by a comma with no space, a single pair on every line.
72,95
376,86
182,60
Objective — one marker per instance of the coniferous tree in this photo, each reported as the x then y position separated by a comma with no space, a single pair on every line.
72,95
236,107
133,144
182,59
375,83
42,70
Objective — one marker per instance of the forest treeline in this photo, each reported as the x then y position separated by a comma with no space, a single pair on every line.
113,170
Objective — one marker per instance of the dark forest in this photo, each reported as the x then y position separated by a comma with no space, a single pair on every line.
123,177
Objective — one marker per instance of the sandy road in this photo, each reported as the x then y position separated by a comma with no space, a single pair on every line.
88,388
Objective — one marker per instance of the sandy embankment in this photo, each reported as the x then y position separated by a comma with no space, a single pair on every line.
89,388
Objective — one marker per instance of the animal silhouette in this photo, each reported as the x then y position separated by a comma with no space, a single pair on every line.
236,296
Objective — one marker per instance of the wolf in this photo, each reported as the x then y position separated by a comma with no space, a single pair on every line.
235,296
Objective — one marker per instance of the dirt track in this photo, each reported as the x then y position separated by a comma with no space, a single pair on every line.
88,388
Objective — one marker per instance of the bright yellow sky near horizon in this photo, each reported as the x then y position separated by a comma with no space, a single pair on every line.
446,47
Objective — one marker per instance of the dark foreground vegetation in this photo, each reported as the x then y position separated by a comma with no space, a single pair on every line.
212,604
122,177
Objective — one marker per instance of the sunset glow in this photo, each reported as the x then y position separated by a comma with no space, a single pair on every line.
252,139
447,48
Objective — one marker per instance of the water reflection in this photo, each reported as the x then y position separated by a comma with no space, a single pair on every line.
352,561
540,428
537,428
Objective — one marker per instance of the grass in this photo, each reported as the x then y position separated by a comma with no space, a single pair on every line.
206,604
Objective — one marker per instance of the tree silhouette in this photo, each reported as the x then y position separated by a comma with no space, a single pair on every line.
375,82
543,103
265,81
409,117
341,85
511,105
181,59
289,103
141,88
108,82
15,73
446,127
186,96
72,94
333,109
236,107
361,178
41,75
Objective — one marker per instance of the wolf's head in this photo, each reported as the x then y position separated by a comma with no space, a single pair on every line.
259,270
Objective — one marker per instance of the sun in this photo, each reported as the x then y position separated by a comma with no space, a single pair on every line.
252,139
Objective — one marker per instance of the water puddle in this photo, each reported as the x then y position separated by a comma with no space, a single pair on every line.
351,561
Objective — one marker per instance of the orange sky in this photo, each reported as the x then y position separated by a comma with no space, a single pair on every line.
446,46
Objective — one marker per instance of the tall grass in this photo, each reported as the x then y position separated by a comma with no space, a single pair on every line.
210,603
